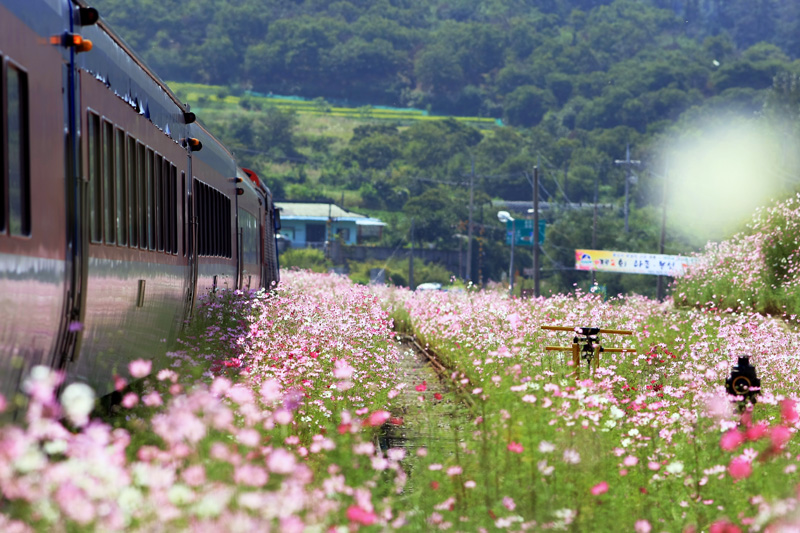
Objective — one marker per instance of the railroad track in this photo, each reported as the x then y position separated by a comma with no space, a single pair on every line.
431,407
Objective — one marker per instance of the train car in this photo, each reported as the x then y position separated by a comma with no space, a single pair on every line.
269,224
116,207
36,247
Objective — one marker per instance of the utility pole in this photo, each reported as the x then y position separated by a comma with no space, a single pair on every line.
536,229
411,259
469,229
660,283
594,222
628,163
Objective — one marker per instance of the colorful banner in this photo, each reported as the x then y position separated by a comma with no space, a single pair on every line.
632,263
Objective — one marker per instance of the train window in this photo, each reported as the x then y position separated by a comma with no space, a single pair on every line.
95,198
121,188
248,224
109,209
158,202
222,245
184,220
202,218
207,212
219,216
133,206
213,211
226,225
141,178
150,196
173,219
19,186
214,224
166,230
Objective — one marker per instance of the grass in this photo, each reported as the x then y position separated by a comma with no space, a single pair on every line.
207,98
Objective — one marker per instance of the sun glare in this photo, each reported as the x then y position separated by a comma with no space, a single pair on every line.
718,176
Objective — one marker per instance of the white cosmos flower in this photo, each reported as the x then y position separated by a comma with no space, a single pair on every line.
675,467
77,400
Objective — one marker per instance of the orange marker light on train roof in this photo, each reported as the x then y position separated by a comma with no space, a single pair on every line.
194,144
72,39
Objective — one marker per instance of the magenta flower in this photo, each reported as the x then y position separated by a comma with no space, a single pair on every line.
731,440
377,418
361,516
756,432
789,411
724,526
779,436
600,488
740,468
515,447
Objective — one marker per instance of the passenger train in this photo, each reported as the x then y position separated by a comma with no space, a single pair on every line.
117,208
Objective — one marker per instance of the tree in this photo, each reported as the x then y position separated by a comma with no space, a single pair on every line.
438,70
526,105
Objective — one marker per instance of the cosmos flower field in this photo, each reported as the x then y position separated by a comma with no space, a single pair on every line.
269,415
272,414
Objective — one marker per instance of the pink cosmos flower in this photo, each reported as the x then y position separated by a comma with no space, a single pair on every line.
600,488
422,386
571,456
140,368
740,468
779,436
652,465
642,526
194,475
270,391
361,516
731,440
789,411
756,432
251,475
515,447
283,417
281,462
377,418
153,399
342,370
508,503
630,461
119,383
130,400
723,526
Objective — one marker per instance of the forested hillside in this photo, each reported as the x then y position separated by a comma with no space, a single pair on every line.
598,63
575,81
